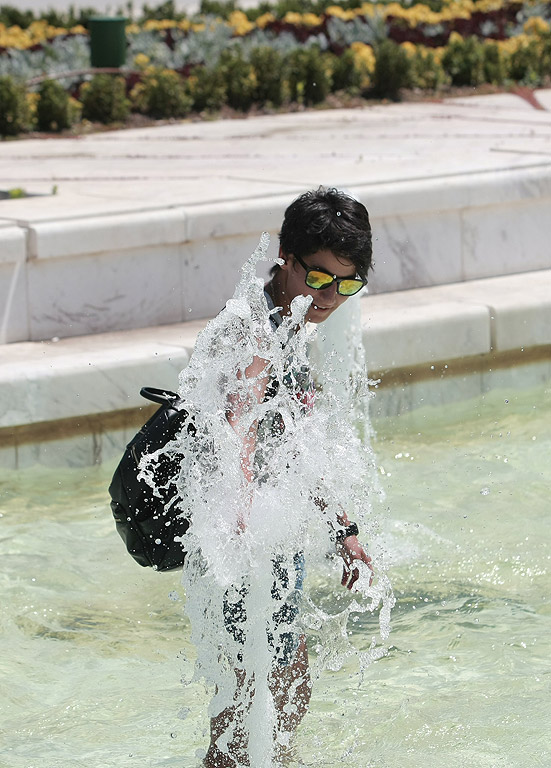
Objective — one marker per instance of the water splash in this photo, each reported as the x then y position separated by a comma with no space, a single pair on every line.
247,541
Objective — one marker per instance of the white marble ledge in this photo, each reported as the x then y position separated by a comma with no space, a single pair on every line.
450,192
74,237
96,350
519,305
84,391
60,235
42,381
404,336
520,310
13,244
45,381
237,217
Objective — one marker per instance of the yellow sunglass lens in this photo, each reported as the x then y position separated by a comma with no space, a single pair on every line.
350,287
318,280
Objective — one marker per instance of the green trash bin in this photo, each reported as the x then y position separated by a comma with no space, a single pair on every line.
107,41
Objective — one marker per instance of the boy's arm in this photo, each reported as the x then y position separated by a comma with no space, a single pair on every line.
348,547
238,407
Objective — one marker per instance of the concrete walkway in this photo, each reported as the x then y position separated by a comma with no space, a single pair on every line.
243,159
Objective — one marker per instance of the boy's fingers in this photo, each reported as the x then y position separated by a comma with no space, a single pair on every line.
345,574
354,578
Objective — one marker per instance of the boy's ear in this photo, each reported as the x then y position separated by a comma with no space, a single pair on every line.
285,257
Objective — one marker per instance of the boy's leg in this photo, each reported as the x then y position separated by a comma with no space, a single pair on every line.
232,718
291,688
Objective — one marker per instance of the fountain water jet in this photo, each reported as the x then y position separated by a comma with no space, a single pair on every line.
247,541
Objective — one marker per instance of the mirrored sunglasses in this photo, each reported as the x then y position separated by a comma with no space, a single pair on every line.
319,278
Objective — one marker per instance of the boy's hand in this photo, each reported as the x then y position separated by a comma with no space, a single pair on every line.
350,549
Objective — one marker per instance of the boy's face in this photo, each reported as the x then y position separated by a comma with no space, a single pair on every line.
324,301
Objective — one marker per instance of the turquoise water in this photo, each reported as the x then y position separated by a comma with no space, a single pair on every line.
94,646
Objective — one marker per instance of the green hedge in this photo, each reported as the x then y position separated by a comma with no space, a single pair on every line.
15,113
266,77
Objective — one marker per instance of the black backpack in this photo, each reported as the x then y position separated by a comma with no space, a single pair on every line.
148,523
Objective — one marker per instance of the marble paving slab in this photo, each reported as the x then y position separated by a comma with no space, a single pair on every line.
190,162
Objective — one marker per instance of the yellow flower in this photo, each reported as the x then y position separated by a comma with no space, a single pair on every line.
369,9
409,48
417,14
311,20
341,13
291,17
159,24
141,60
264,20
336,10
364,59
461,10
535,26
438,53
455,37
514,44
239,22
488,5
302,19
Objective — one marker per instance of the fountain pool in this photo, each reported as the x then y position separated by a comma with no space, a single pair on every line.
94,647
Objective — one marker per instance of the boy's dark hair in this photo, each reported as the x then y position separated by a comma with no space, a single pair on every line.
327,219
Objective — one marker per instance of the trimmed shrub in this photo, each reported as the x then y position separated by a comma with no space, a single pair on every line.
160,12
493,64
52,109
426,72
220,8
345,75
525,65
545,58
392,71
75,110
207,89
239,79
14,107
463,60
11,16
161,93
104,99
307,76
268,67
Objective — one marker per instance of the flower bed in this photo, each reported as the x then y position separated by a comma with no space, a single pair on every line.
178,66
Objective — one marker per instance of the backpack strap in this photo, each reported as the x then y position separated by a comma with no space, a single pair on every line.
160,396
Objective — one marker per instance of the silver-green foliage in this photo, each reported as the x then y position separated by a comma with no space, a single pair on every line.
362,30
60,55
206,46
